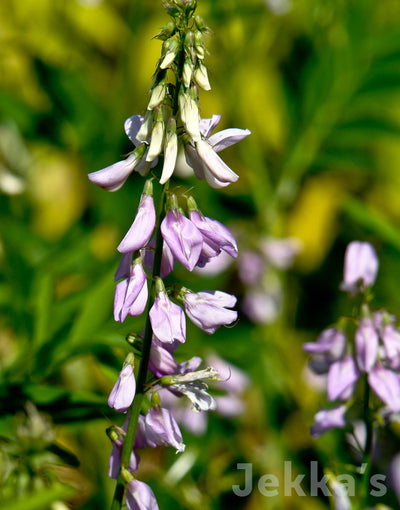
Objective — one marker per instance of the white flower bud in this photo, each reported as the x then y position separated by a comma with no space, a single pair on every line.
187,72
145,129
171,151
201,76
171,50
190,114
199,45
157,137
157,94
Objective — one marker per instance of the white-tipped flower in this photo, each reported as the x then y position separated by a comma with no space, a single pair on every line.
201,76
157,137
145,129
187,72
170,152
157,94
189,114
171,50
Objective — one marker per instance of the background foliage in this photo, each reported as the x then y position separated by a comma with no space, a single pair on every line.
318,85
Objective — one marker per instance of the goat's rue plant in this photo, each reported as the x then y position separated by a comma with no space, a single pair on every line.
172,230
360,359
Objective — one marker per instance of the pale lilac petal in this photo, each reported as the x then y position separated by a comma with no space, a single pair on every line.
227,137
386,384
208,125
232,378
113,177
119,299
215,234
132,126
342,377
167,260
331,344
251,267
208,310
194,161
124,267
130,293
391,341
182,237
366,345
360,267
123,392
142,228
262,307
139,496
217,173
161,361
327,419
214,265
115,461
162,429
281,252
167,320
138,306
230,405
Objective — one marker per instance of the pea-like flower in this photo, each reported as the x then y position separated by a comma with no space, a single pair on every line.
162,429
123,392
342,377
366,345
209,309
167,319
386,385
360,267
139,496
131,293
327,419
143,225
182,237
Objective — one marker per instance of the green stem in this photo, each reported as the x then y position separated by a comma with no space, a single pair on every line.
143,368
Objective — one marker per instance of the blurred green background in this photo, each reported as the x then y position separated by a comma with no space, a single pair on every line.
318,84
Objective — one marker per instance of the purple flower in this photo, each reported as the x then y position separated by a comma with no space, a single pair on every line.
167,319
391,342
115,457
386,384
281,252
209,309
366,345
167,260
114,176
142,228
342,376
216,236
123,392
162,429
139,496
203,157
360,267
330,345
183,238
262,306
131,293
161,361
327,419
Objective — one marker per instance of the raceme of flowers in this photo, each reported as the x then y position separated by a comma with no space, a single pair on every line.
371,352
174,231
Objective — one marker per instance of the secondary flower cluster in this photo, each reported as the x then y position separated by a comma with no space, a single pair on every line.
372,352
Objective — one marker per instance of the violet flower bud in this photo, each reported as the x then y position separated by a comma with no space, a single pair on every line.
386,384
183,238
162,429
327,419
143,225
131,293
123,392
167,319
330,345
342,377
139,496
366,345
209,309
360,267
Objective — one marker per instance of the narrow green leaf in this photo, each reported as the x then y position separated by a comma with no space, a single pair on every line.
41,499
